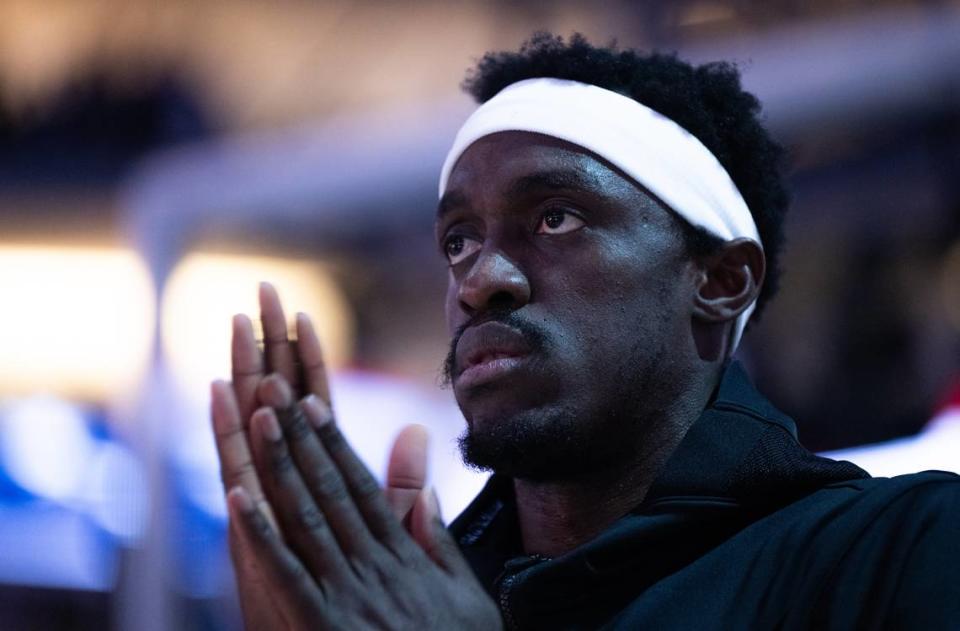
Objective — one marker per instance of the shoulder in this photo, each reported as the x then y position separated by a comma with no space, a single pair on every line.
877,513
903,563
858,553
927,493
902,513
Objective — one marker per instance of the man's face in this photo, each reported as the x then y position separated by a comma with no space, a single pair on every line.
569,302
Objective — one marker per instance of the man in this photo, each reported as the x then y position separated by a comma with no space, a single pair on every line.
610,221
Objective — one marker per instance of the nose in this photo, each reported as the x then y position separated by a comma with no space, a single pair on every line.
493,282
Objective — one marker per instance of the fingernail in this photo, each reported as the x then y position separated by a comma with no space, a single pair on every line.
241,500
271,429
275,392
316,410
282,384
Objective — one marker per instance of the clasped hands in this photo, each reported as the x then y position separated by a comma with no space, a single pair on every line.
315,542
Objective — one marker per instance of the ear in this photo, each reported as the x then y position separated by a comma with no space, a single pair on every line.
730,281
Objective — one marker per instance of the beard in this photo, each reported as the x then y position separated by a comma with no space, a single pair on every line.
560,441
541,446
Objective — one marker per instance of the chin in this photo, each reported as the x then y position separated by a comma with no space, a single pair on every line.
546,444
492,405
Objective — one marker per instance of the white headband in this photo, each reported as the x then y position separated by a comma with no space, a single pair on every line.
652,149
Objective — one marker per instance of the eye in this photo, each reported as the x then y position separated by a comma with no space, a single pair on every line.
558,221
458,247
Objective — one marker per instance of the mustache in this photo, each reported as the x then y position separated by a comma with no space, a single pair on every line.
534,336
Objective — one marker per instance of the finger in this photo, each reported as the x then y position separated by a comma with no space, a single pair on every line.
428,531
247,366
311,359
304,525
259,611
407,469
236,463
319,473
290,584
279,354
363,487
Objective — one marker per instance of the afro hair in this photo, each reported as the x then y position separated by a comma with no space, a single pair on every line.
708,101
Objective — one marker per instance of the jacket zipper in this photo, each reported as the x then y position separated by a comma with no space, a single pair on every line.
505,588
506,585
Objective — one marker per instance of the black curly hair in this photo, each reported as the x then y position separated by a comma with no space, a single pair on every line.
708,101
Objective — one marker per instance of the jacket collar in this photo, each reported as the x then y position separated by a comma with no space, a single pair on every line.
745,450
738,462
742,451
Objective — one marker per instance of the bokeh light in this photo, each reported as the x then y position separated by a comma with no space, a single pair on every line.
45,447
77,321
205,290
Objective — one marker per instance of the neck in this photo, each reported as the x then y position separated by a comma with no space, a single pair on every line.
558,516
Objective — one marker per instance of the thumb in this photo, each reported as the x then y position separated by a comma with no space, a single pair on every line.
428,530
407,470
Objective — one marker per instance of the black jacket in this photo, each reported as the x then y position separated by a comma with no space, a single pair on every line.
744,529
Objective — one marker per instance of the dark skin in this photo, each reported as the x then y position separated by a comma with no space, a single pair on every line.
545,233
567,243
314,541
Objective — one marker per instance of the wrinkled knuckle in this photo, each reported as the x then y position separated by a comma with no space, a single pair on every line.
413,482
260,526
236,476
329,484
310,519
225,436
281,462
297,427
332,438
367,487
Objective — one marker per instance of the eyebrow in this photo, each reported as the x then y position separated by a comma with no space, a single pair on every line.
554,180
450,201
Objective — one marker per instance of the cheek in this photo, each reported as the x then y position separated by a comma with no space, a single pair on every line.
622,301
601,279
451,308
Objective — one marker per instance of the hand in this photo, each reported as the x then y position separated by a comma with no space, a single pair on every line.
345,561
233,405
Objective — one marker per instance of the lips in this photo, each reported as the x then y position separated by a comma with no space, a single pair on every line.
487,351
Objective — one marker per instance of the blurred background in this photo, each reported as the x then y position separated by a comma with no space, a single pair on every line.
157,160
